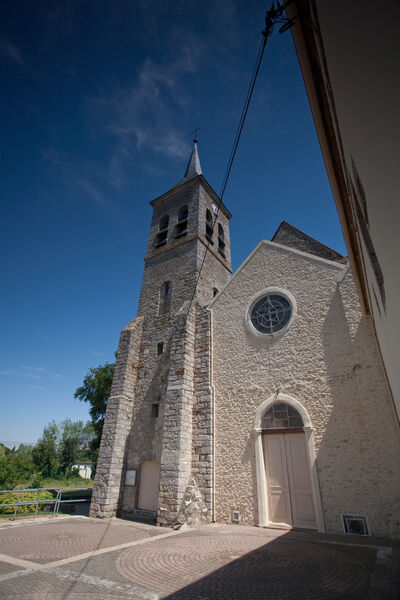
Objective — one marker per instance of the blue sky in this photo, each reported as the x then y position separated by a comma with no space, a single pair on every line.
98,102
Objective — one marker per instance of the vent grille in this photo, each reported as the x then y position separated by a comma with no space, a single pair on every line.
235,516
355,524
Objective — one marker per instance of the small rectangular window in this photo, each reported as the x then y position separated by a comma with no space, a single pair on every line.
160,348
154,411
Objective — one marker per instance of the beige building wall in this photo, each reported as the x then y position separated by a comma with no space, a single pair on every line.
328,361
349,56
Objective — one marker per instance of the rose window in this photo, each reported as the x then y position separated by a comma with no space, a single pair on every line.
271,313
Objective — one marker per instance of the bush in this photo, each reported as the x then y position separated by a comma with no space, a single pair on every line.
12,497
9,474
37,480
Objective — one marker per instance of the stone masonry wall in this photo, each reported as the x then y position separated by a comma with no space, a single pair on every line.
117,423
176,454
202,441
328,361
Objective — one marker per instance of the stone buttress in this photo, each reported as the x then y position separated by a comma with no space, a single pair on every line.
156,452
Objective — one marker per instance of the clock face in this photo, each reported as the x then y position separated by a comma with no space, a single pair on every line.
215,209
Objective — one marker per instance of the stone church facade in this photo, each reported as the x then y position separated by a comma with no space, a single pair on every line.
257,397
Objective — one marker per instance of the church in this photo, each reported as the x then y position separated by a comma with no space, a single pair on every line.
256,397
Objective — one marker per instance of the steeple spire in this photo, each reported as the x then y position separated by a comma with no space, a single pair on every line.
193,168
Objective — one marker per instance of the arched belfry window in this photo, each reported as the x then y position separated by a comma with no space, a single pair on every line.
221,240
164,221
181,226
165,298
183,213
281,416
162,235
209,226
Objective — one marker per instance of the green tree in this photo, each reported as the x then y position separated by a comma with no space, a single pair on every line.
9,474
22,461
74,440
95,391
45,453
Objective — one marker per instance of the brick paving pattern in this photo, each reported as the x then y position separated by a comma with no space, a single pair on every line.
89,559
7,568
60,539
234,565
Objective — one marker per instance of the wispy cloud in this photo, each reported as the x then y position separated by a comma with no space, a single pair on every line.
36,387
146,115
20,372
10,51
26,371
82,176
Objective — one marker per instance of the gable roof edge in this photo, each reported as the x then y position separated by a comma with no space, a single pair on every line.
306,255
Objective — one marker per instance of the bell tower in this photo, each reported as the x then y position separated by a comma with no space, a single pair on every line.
187,220
156,448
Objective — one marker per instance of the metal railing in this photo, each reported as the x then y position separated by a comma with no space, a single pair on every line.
56,501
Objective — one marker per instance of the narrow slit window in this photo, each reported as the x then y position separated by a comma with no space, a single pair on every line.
165,288
160,348
154,410
164,298
215,292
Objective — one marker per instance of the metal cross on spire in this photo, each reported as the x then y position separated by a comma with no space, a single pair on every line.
195,130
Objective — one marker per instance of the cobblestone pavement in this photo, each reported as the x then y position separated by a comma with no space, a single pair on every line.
89,559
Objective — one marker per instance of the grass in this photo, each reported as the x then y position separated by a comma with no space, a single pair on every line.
51,482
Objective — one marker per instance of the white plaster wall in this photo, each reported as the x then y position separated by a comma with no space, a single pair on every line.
362,48
328,361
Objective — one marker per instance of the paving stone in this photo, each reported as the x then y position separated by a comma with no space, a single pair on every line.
7,568
211,562
56,540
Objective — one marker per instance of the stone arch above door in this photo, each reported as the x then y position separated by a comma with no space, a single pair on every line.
262,496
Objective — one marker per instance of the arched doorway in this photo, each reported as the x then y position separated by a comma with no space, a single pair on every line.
290,494
287,481
149,485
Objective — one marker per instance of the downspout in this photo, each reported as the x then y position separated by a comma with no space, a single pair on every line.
212,418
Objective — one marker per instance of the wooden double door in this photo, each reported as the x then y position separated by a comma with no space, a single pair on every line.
290,491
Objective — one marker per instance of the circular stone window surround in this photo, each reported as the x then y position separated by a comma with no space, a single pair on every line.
270,291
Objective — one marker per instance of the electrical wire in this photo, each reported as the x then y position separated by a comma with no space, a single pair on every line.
239,130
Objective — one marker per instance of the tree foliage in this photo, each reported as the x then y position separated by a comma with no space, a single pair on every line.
8,474
95,391
44,454
59,447
74,442
15,464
